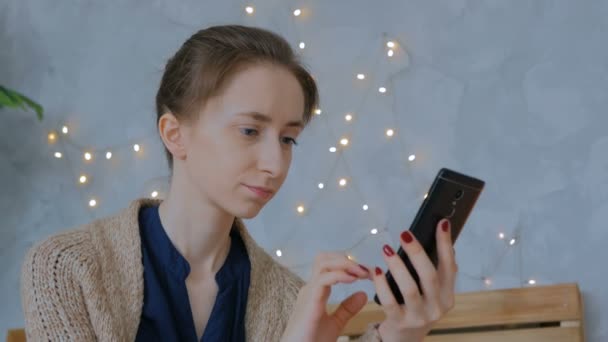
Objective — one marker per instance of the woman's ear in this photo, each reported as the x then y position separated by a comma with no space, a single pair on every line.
172,133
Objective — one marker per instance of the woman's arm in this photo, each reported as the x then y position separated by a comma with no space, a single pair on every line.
53,303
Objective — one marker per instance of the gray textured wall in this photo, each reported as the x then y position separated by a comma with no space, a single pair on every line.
513,92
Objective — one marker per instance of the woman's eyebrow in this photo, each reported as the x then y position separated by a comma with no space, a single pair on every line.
267,119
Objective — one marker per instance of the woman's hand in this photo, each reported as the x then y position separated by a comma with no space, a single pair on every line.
413,321
309,320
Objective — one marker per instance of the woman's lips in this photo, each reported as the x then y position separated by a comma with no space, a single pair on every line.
263,193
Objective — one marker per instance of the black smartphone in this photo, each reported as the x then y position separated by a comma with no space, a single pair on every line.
452,195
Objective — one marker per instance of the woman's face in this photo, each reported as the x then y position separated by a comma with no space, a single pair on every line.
243,139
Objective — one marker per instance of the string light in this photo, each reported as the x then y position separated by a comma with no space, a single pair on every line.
390,53
382,90
501,236
374,231
321,185
108,155
249,9
64,129
342,182
361,76
487,281
302,45
390,44
344,142
332,149
279,253
426,195
318,111
390,132
532,282
300,209
348,117
92,203
82,179
52,137
412,157
136,148
512,242
350,257
365,207
297,12
88,156
154,194
58,155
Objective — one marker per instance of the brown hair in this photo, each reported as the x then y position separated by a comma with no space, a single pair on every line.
207,60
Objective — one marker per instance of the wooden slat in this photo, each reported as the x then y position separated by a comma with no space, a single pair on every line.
15,335
556,334
554,303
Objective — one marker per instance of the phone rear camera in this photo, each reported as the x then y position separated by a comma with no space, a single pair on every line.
459,194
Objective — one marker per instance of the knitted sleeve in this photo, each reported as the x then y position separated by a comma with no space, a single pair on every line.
51,294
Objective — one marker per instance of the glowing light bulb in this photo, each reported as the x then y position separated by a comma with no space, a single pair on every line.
300,209
154,194
344,141
390,53
365,207
390,44
512,242
318,111
487,281
332,149
88,156
374,231
361,76
297,12
426,195
279,253
92,203
390,132
501,236
64,129
342,182
532,282
52,137
350,257
302,45
249,9
321,185
136,147
108,155
83,179
382,90
348,117
58,155
412,157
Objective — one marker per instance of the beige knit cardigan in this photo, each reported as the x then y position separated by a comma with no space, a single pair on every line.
87,284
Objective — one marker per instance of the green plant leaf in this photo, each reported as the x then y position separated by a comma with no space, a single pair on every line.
11,98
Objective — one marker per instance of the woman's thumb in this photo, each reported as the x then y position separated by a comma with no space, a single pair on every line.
349,308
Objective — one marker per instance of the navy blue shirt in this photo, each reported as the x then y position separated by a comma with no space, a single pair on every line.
166,314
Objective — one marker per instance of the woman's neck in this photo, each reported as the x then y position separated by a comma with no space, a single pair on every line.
198,229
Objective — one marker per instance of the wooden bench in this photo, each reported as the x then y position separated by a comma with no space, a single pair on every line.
541,313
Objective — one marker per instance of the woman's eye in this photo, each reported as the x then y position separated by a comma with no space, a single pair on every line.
249,131
290,140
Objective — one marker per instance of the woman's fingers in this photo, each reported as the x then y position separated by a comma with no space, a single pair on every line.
403,278
446,267
389,303
326,262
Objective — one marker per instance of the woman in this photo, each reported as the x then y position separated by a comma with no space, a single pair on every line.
231,104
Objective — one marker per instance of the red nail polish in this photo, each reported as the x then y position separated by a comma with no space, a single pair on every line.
407,236
388,250
352,274
378,271
445,225
364,268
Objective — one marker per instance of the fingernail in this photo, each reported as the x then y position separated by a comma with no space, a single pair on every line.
388,250
407,236
364,268
378,271
351,274
445,225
